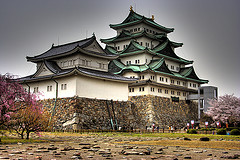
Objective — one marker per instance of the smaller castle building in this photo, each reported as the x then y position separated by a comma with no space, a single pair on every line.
76,69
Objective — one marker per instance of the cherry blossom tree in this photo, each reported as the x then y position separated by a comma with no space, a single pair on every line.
10,92
31,118
19,110
225,109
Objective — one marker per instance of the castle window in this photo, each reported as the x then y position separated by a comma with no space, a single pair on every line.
172,92
194,85
65,64
161,79
135,29
138,29
166,91
152,77
141,43
152,89
142,76
70,63
118,47
184,93
159,90
83,62
184,83
179,93
172,81
35,90
131,89
172,67
166,80
178,82
190,84
49,88
141,89
63,86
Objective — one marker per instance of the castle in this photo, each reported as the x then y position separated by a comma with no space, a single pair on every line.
139,61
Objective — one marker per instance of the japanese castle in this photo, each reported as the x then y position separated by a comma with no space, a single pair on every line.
139,60
145,52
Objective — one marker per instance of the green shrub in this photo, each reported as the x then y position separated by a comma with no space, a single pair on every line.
231,128
221,131
235,132
192,131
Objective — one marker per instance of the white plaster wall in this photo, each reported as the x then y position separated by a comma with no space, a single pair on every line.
147,91
141,57
121,44
77,60
141,26
131,74
44,94
172,63
71,86
101,89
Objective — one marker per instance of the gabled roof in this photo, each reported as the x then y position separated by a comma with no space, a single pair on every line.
126,35
189,72
158,66
57,72
134,18
70,48
162,50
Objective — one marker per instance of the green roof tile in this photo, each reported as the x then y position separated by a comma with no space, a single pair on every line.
134,18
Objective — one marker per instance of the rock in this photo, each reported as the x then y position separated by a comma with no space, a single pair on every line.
52,148
186,139
41,151
204,139
68,148
159,153
131,153
84,144
147,152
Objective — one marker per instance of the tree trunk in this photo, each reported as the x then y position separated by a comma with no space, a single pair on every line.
28,134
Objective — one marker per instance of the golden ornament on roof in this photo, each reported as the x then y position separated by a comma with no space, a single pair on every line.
131,8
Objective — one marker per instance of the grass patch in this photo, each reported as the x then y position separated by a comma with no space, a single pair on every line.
11,140
172,135
191,144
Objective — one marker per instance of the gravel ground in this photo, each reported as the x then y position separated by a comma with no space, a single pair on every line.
117,148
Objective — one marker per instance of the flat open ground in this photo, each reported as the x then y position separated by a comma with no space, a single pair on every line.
128,146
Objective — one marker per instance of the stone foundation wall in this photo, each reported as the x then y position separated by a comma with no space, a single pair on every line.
138,112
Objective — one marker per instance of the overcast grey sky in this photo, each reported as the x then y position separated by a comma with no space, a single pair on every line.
209,30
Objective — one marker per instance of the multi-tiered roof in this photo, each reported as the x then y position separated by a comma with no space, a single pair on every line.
160,53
